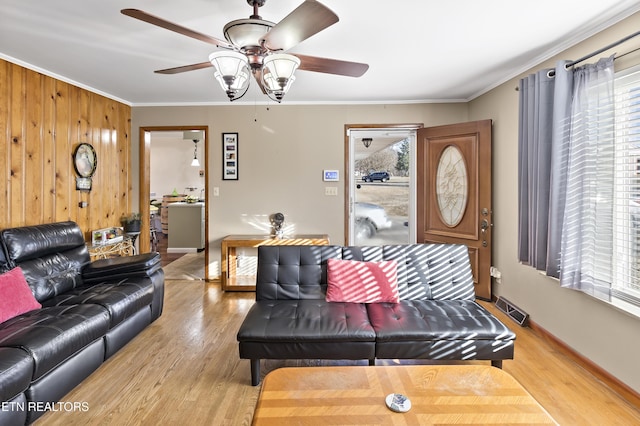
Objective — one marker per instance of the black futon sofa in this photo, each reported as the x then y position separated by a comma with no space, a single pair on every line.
89,311
436,316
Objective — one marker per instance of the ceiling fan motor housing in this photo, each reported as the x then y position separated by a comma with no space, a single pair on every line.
255,57
246,33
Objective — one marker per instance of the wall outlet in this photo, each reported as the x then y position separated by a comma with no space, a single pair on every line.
495,273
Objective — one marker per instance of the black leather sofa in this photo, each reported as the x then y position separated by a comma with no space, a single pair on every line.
89,311
436,318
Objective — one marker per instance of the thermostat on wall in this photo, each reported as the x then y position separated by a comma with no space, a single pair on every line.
331,176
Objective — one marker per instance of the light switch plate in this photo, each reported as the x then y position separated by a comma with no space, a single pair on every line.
330,190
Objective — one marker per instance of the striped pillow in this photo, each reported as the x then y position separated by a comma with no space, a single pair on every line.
362,282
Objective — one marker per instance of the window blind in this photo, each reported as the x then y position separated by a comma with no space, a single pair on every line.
626,249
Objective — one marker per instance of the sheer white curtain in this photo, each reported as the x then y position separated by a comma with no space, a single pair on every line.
587,228
561,131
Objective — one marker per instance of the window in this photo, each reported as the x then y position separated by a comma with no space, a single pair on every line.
579,179
626,248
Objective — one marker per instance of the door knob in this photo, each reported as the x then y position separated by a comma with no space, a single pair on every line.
484,225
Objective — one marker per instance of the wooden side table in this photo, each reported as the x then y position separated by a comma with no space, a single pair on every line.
232,282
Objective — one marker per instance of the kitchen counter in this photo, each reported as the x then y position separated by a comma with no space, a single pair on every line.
186,227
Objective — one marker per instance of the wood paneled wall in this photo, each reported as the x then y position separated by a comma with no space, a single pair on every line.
43,120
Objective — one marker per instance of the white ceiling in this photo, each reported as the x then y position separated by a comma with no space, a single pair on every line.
418,50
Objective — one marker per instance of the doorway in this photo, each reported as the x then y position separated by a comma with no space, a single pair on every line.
380,184
145,138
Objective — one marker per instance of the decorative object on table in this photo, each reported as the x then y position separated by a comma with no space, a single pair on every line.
85,162
190,199
131,222
398,402
277,222
106,236
230,156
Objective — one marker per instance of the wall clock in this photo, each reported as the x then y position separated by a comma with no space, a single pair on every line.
85,160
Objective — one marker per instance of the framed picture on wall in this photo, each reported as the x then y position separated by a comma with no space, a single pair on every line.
230,156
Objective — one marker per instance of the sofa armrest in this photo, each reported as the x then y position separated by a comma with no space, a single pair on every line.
141,265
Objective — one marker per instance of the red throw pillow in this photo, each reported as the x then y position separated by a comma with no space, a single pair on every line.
15,295
362,282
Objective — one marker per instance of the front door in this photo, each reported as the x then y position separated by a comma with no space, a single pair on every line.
380,183
454,192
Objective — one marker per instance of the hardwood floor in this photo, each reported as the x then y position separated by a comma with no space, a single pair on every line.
166,258
184,369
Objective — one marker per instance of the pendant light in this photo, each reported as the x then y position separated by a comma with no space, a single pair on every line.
195,137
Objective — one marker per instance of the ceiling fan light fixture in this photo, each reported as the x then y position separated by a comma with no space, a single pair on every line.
231,69
277,74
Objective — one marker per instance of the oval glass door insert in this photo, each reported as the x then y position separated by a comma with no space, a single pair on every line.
451,186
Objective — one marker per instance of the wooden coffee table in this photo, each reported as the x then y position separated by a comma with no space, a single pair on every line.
449,394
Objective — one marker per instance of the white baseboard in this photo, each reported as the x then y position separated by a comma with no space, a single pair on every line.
182,250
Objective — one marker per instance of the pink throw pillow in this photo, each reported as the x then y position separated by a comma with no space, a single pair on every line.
362,282
15,295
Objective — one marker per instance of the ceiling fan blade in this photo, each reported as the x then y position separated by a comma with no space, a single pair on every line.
308,19
184,68
162,23
331,66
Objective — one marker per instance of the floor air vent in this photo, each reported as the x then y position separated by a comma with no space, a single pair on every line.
515,313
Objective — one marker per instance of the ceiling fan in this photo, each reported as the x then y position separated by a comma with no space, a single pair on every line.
256,46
